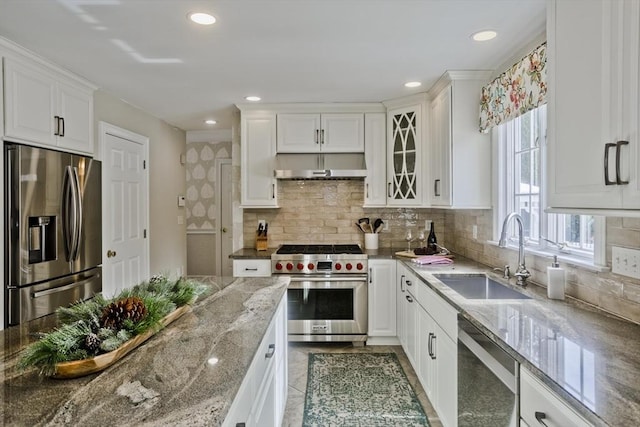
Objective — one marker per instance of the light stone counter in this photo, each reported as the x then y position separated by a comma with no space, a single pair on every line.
590,358
166,381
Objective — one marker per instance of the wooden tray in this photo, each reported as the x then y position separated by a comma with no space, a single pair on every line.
79,368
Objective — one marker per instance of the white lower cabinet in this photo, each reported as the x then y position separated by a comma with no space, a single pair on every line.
438,364
262,396
539,405
382,298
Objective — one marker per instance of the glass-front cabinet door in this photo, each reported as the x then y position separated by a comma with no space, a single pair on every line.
404,153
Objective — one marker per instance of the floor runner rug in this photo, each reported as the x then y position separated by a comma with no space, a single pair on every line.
360,389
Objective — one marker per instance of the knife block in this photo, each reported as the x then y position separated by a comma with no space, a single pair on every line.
262,243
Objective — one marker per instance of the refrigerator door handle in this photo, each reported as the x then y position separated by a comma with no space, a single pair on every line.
69,213
57,289
78,215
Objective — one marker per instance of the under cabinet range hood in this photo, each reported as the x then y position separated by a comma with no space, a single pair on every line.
320,166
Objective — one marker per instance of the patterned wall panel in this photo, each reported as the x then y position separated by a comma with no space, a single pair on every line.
201,183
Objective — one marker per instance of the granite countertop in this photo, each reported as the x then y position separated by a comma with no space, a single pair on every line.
590,358
249,253
166,381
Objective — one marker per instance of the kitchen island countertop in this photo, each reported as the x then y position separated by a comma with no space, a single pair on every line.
167,380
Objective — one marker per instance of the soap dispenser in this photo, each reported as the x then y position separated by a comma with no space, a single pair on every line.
556,278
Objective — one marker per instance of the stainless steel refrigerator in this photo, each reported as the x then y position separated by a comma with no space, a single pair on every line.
53,249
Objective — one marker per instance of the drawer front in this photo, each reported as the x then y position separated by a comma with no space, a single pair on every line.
445,315
539,405
251,268
265,357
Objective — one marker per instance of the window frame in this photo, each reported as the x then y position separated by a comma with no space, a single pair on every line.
504,184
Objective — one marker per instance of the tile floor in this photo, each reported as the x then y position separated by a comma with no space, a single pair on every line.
298,364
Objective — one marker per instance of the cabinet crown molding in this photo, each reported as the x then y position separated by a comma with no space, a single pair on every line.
453,75
405,101
14,50
312,107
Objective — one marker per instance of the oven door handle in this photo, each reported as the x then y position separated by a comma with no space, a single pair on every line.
352,278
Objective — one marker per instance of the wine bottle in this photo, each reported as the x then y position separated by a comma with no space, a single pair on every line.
431,239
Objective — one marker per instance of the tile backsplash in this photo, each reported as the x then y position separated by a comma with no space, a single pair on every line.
326,212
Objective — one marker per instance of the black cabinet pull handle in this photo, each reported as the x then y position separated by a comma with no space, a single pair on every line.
370,275
618,145
436,187
607,146
322,136
62,131
389,189
402,283
250,269
408,282
317,138
409,298
432,352
56,131
429,345
272,350
541,416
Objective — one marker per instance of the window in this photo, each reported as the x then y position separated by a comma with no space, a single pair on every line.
521,152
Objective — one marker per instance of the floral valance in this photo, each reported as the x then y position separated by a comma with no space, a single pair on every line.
521,88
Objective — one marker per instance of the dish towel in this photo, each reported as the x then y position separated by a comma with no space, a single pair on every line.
432,260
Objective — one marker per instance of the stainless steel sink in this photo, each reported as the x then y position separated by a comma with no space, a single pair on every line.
479,286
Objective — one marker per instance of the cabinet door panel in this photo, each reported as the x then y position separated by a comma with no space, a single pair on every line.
30,96
298,133
375,191
342,133
404,156
258,187
76,110
582,102
382,298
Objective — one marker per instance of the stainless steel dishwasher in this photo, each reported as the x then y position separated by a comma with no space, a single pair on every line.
488,390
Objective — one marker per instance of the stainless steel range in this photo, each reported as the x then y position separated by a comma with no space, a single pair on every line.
327,296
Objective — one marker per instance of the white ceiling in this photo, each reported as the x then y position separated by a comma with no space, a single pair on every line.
147,53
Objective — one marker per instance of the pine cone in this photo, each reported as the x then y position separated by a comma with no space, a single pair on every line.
114,315
92,342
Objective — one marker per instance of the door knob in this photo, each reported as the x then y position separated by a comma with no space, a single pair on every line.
224,229
110,253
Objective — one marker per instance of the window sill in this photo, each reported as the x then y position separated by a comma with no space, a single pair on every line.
575,261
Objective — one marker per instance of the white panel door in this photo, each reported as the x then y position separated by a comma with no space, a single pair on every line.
226,220
124,214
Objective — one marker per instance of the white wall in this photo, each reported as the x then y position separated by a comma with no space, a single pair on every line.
167,179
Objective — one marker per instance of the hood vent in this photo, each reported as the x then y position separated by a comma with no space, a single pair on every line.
320,166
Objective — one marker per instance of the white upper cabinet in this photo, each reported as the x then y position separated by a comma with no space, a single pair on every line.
44,107
314,133
593,111
459,155
375,194
405,182
258,186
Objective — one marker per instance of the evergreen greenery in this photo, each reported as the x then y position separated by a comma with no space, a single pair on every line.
81,333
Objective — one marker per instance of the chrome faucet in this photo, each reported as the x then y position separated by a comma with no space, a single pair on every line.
521,273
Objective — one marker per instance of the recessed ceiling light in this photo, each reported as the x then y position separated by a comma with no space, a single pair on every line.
210,122
202,18
253,98
412,84
483,36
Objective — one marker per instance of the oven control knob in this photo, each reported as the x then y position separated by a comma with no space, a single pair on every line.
359,266
338,266
349,266
278,266
289,266
311,266
300,266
